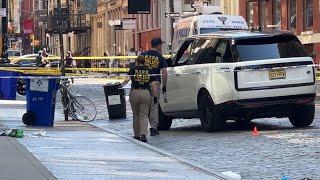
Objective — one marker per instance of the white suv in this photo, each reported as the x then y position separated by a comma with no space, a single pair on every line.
240,75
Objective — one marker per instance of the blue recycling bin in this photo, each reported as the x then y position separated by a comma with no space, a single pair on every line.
8,86
41,100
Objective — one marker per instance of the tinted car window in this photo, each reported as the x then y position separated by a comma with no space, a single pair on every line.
183,54
223,52
207,52
269,48
198,48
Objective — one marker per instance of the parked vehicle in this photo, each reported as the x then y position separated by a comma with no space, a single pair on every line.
240,75
204,24
29,60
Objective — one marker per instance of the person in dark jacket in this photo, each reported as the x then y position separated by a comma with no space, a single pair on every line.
40,60
69,60
140,97
158,65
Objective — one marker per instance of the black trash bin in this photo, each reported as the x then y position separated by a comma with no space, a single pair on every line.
116,101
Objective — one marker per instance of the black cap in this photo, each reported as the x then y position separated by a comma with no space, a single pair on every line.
156,41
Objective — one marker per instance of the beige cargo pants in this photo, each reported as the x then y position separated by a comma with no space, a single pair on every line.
140,104
154,108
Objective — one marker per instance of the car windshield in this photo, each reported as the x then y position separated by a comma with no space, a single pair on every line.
269,48
14,53
208,30
212,30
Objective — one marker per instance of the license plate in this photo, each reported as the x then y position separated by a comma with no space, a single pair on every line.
277,74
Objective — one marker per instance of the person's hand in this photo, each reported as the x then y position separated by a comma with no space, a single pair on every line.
164,89
123,84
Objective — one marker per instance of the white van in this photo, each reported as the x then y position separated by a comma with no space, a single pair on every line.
203,24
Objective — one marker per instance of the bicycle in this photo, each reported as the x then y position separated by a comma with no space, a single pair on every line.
76,106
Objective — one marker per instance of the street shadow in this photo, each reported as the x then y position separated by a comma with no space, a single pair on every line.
232,126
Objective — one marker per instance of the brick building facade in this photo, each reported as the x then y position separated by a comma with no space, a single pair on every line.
299,16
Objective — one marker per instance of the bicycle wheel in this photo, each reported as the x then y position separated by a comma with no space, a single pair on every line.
65,105
82,109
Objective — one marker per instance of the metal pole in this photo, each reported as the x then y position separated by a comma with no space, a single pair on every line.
171,24
5,30
62,67
34,25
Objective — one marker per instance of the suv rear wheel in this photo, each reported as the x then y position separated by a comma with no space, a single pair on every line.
302,116
164,121
211,120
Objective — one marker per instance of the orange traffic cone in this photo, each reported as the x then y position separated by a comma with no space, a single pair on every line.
255,131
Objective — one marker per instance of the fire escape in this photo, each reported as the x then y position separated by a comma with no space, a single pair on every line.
72,21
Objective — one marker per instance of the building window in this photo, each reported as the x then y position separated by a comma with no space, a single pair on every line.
308,14
292,14
276,10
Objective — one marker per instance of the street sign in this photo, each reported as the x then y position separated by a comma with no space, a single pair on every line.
129,23
42,12
117,22
172,15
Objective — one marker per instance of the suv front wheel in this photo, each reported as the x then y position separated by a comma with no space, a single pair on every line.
302,116
210,118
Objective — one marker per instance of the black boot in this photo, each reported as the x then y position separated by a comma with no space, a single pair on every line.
136,137
154,132
143,138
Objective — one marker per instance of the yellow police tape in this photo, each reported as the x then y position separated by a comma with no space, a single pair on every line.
92,58
34,71
41,70
120,70
56,71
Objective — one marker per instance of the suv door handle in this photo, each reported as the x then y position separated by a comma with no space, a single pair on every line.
195,73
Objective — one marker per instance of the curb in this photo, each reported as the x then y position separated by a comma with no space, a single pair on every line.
32,159
167,154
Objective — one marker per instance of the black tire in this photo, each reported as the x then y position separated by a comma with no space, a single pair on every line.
65,104
164,121
21,89
210,118
28,118
244,124
302,116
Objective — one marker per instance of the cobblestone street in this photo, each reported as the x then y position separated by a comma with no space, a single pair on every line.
279,150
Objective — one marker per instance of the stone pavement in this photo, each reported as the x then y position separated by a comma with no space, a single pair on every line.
75,150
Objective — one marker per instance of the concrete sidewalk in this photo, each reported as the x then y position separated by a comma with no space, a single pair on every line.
76,150
17,163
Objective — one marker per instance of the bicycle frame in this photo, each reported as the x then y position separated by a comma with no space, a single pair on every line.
71,100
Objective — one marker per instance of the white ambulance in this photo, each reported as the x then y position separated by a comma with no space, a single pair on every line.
204,24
